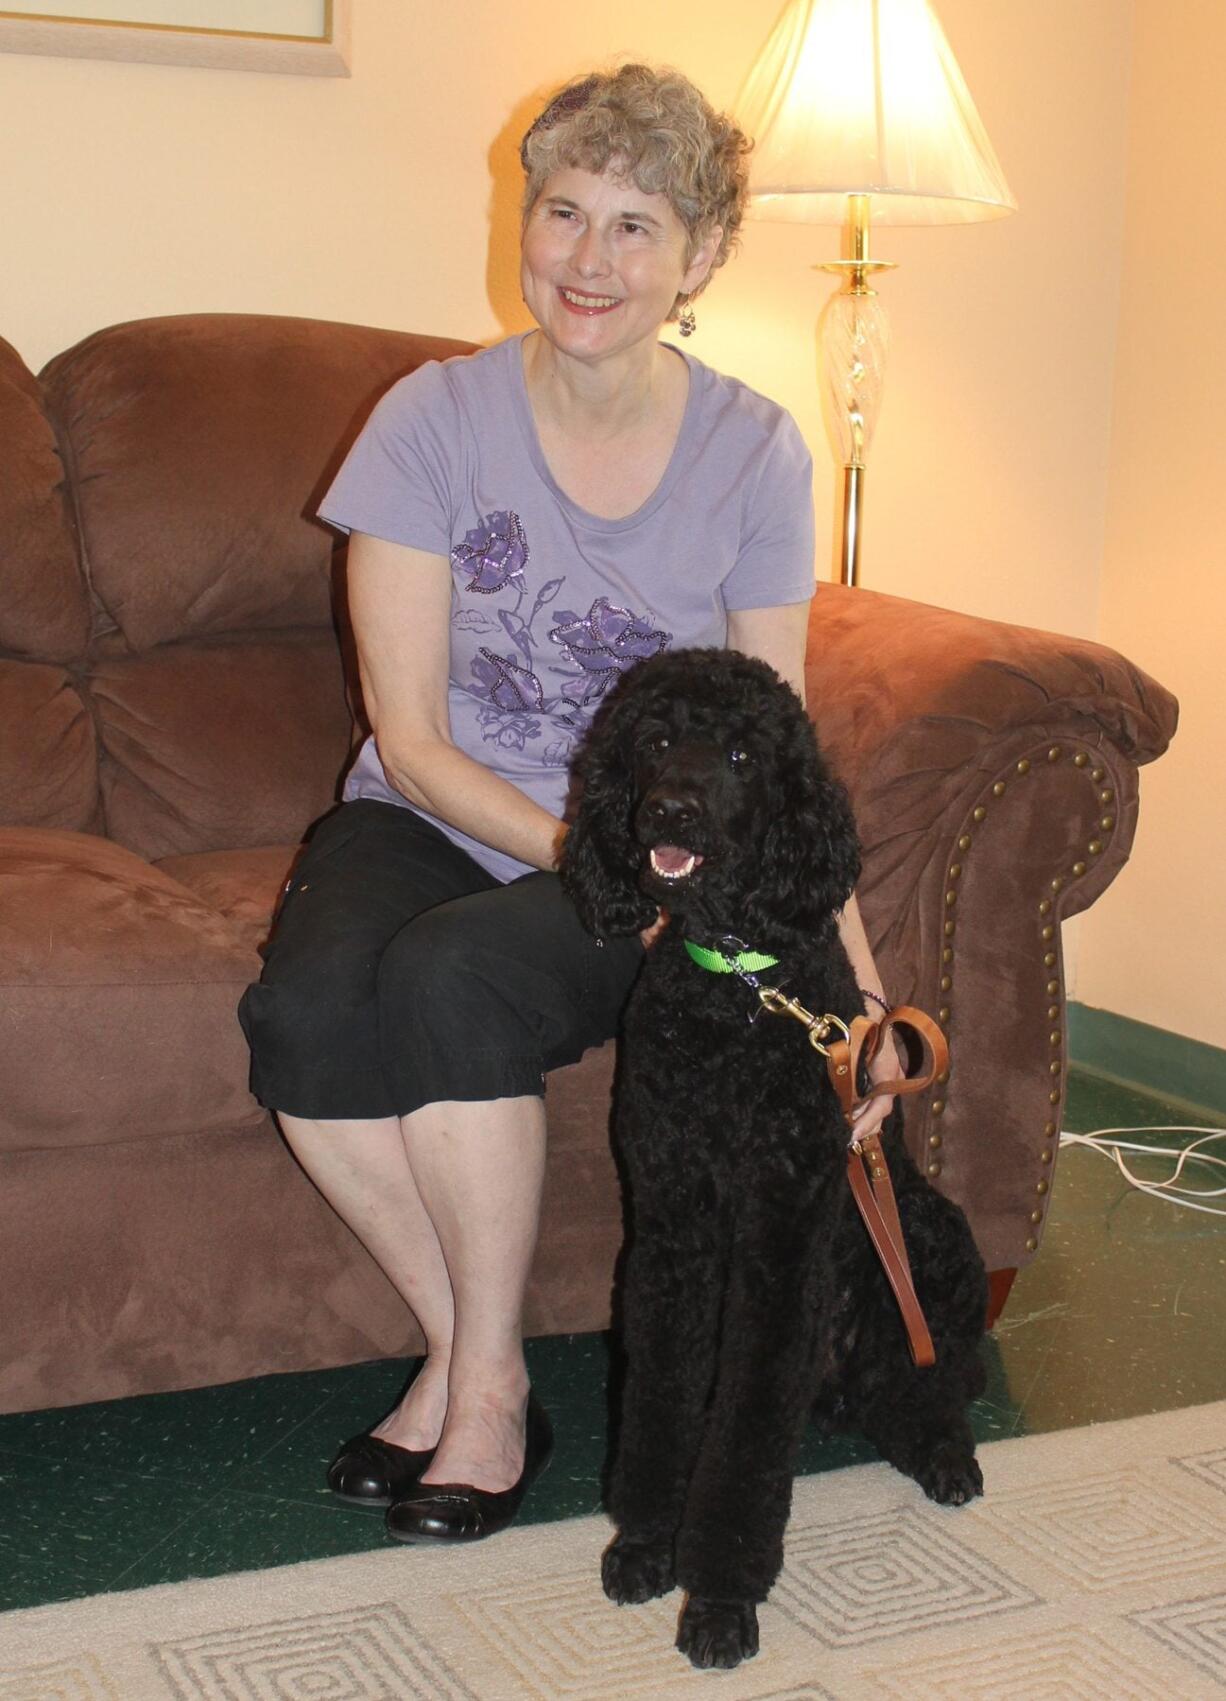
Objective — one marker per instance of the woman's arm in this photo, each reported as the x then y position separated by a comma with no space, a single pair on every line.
400,604
777,636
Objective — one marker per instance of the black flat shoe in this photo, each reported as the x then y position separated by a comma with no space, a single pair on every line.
457,1512
371,1472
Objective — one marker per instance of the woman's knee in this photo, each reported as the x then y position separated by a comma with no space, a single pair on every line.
438,966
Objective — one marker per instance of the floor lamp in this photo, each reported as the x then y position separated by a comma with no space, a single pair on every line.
861,117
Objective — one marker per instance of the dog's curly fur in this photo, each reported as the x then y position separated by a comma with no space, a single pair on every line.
753,1297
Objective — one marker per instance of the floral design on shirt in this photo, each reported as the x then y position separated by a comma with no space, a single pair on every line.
495,553
592,650
604,642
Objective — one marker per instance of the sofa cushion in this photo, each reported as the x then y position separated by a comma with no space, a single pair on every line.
244,885
220,746
118,989
202,444
48,751
44,609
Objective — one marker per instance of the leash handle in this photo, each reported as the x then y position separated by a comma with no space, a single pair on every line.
864,1040
867,1171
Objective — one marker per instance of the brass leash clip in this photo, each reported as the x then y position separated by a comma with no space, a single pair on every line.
818,1027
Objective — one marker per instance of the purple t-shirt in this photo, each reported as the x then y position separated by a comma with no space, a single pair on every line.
551,604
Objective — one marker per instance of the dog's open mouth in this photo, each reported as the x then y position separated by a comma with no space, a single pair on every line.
673,862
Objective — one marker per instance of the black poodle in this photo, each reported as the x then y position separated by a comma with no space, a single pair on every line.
753,1297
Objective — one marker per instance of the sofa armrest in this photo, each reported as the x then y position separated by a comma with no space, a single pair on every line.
994,772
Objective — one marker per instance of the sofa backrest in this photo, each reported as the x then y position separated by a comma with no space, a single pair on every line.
170,670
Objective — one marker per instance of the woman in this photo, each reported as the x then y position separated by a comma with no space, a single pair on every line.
526,523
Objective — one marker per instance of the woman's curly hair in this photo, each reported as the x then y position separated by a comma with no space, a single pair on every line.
660,132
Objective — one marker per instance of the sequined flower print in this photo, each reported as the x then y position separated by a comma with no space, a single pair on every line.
508,687
495,553
604,643
506,731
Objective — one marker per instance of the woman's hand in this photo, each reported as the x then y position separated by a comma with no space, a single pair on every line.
649,935
869,1115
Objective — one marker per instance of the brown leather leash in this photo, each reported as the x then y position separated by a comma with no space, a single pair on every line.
867,1171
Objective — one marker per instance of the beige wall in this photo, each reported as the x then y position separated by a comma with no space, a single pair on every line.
1156,949
130,190
157,189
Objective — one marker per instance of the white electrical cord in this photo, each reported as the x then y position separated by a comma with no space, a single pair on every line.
1103,1141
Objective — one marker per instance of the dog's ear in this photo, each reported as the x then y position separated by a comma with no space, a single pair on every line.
811,855
600,859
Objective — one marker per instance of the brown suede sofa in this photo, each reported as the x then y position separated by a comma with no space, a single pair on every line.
173,715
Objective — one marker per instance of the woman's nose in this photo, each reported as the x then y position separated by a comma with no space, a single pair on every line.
590,258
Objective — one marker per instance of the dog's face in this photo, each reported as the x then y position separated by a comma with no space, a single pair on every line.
701,800
703,792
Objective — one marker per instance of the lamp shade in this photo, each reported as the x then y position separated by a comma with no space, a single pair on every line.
864,97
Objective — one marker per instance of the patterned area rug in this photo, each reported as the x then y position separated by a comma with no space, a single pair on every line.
1094,1568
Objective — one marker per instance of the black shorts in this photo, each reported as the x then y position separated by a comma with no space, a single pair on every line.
400,973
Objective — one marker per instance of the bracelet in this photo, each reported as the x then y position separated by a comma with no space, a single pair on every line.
876,998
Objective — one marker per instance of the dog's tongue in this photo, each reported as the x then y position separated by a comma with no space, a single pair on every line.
674,859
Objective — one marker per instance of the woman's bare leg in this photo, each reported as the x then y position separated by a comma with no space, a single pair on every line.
362,1170
479,1169
447,1202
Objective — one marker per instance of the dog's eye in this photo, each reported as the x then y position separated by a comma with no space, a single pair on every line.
658,742
740,758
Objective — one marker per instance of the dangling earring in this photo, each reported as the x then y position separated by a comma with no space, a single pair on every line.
686,322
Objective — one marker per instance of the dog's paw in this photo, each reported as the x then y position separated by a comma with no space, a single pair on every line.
718,1634
633,1572
951,1476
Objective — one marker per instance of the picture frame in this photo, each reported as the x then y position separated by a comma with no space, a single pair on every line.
311,37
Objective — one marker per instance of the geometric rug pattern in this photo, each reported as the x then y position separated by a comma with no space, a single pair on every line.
1093,1570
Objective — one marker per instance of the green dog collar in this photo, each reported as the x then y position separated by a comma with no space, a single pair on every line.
745,962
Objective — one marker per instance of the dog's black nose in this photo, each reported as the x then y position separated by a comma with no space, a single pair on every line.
670,812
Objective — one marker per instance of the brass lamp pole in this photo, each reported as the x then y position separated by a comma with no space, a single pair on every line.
855,336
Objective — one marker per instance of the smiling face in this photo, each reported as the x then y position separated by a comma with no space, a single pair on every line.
603,263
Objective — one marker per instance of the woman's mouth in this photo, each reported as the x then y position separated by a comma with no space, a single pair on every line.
587,305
